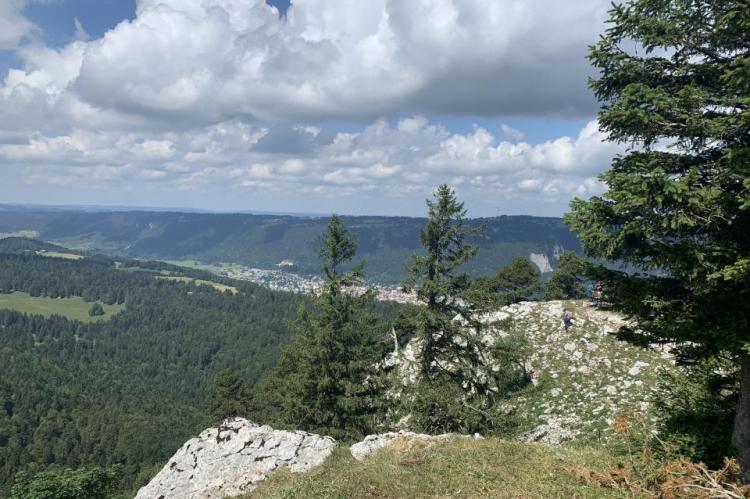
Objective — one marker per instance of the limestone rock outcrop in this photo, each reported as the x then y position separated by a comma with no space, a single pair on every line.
231,460
406,439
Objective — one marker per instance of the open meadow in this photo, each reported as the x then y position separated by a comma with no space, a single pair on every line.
74,308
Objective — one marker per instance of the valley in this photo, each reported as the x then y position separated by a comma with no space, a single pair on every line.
265,241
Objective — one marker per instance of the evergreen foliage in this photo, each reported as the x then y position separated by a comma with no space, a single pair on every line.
229,397
674,85
698,405
96,310
569,280
454,392
129,390
438,281
517,282
327,372
93,483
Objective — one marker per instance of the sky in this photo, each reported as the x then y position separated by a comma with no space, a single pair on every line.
313,106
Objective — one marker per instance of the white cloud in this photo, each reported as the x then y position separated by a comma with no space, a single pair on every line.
13,25
511,132
222,96
217,60
395,161
80,33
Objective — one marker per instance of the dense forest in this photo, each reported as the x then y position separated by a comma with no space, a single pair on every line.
131,389
385,243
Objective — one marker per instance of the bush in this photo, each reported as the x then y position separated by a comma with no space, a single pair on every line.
94,483
96,310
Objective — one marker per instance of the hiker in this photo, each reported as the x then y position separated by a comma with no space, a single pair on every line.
597,295
567,318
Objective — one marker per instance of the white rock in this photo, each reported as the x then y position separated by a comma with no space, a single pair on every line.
371,443
231,459
636,369
554,432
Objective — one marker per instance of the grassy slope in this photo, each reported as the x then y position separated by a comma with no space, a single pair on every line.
460,468
72,308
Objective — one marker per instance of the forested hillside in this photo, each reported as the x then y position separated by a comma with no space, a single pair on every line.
130,389
385,243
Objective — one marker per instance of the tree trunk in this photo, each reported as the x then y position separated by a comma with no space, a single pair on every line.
741,431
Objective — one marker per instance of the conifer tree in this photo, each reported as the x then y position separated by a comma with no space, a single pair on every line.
229,397
329,375
438,281
456,389
519,281
96,310
568,281
674,84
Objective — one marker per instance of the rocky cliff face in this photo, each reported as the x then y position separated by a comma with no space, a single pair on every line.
231,459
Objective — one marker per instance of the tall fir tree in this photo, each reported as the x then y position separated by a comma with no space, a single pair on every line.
328,370
674,84
438,281
456,391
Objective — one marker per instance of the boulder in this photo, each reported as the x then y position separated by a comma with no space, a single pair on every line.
231,459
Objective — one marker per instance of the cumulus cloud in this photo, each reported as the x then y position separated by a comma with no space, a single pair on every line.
217,60
227,96
392,160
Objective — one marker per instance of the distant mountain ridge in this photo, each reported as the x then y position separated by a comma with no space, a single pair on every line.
385,243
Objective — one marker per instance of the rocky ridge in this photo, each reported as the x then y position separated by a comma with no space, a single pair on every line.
581,378
231,459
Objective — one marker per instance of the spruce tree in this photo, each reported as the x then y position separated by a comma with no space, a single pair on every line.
456,390
674,84
569,280
96,310
438,281
228,398
329,373
519,281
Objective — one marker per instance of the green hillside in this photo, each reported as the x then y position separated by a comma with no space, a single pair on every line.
132,387
385,243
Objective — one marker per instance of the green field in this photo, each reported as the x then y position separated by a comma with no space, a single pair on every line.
194,264
20,233
217,286
65,256
72,308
